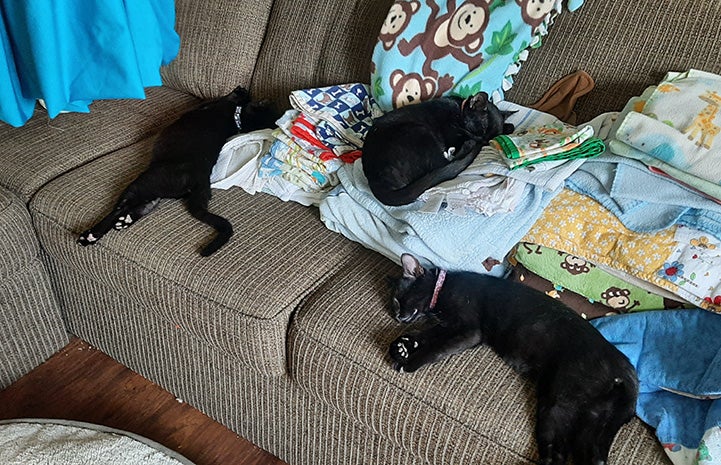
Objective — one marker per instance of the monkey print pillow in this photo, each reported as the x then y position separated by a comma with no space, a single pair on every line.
431,48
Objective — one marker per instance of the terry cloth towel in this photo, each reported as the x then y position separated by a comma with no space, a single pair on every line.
674,125
543,143
488,185
644,201
342,114
428,48
473,242
239,163
561,97
569,272
679,389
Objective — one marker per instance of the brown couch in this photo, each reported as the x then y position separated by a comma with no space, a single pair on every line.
282,335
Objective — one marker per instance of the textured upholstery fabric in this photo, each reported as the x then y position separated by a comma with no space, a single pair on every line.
471,408
625,47
311,44
31,327
239,299
219,42
272,412
44,148
298,423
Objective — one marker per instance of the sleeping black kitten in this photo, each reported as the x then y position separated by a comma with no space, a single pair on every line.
183,157
586,388
416,147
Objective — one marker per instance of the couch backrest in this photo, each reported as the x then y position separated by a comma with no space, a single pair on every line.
311,43
626,46
219,43
282,45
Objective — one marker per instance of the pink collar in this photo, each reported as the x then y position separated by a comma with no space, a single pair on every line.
437,290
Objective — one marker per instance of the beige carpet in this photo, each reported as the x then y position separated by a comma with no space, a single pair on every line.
63,442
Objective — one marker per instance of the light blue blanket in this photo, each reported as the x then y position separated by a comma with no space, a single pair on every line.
643,201
70,53
442,239
677,354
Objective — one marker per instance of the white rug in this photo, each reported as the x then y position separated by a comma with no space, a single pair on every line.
63,442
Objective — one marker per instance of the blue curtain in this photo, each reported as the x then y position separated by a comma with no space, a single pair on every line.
71,52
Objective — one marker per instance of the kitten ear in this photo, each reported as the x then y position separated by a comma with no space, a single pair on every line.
411,267
478,101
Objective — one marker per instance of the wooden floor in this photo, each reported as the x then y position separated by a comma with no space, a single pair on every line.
81,383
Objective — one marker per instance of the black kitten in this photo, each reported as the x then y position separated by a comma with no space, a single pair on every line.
586,388
183,157
416,147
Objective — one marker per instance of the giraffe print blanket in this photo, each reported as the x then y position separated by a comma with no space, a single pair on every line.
674,127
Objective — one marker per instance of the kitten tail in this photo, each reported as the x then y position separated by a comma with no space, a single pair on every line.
198,207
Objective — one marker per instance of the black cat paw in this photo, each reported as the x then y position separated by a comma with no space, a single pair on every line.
87,238
401,351
123,222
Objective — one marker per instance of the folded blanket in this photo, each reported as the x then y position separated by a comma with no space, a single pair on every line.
585,307
343,114
583,277
679,389
644,201
682,260
239,164
673,126
488,185
549,142
473,242
288,160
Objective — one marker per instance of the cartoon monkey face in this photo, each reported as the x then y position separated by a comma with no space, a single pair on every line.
398,18
575,265
466,26
618,299
410,88
535,11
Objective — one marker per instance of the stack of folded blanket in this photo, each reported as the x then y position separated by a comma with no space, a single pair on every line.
298,161
639,228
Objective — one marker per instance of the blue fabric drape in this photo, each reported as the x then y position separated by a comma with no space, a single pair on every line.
71,52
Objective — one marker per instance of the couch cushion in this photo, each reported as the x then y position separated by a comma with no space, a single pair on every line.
219,44
312,44
31,326
18,244
625,46
470,408
239,299
44,148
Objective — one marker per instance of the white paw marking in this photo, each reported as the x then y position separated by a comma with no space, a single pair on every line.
448,154
402,350
91,238
127,219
